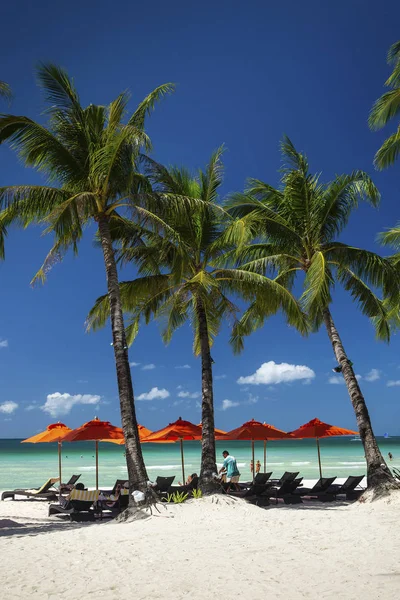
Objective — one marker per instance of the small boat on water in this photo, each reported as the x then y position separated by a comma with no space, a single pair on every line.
386,436
356,438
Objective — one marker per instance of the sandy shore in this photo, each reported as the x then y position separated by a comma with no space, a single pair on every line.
208,548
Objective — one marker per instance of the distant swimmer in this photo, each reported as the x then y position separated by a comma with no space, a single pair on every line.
390,455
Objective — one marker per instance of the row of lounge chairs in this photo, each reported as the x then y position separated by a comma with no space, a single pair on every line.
289,488
81,504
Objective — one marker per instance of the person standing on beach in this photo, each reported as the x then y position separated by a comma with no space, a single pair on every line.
390,455
232,472
258,466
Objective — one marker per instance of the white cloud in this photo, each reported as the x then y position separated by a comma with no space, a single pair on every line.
373,375
392,383
189,394
134,364
3,343
58,404
154,394
271,373
252,399
32,407
8,407
220,377
149,367
226,404
183,367
178,402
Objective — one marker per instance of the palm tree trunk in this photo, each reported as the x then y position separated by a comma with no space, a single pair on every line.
208,465
379,477
134,457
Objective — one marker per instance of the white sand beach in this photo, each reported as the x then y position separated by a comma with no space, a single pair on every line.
209,548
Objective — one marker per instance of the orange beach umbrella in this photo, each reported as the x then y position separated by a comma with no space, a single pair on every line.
179,430
53,433
256,431
143,433
318,429
96,431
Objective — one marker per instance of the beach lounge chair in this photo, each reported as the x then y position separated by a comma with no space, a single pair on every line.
120,483
319,491
286,491
396,473
163,484
256,494
79,505
183,488
47,491
261,478
287,476
348,488
67,487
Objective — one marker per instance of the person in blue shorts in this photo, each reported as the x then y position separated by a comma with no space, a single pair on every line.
229,466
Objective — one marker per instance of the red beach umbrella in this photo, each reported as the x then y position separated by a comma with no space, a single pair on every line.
96,431
256,431
53,433
180,430
318,429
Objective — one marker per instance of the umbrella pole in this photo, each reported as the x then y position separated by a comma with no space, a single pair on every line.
265,456
97,465
252,454
183,463
59,467
319,459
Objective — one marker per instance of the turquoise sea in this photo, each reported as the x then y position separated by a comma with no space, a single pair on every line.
29,465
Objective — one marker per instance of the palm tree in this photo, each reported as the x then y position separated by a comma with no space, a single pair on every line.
180,281
89,158
386,108
296,229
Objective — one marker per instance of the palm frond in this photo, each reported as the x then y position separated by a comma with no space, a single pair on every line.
388,152
318,281
148,104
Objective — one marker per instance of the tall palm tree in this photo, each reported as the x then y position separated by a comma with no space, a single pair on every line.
180,281
386,108
88,156
295,229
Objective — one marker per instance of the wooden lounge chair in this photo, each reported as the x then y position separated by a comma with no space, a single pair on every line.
47,491
79,505
348,488
319,491
67,487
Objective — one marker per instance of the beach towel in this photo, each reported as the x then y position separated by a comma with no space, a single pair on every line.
84,495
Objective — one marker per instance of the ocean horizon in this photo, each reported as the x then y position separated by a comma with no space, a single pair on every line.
29,465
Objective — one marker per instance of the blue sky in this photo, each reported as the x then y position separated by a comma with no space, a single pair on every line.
246,73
